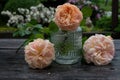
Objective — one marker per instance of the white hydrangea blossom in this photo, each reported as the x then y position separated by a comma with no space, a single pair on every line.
28,18
108,13
6,13
14,19
40,13
88,2
21,10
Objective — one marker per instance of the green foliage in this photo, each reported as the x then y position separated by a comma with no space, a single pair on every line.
2,21
86,29
117,29
98,1
87,11
13,5
53,27
103,5
33,21
83,40
104,23
97,29
27,29
91,29
83,22
34,31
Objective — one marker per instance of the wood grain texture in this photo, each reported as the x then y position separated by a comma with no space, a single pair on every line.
14,67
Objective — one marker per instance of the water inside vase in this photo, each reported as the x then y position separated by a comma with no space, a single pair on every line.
67,46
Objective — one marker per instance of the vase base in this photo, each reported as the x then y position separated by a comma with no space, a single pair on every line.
67,61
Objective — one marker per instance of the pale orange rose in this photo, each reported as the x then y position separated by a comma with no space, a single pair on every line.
68,17
99,49
39,53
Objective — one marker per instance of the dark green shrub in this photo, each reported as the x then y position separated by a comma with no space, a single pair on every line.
13,5
2,19
104,23
53,3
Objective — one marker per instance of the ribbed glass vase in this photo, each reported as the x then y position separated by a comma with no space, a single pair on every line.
68,46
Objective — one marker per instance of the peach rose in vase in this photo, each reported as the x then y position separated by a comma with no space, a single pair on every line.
68,39
68,17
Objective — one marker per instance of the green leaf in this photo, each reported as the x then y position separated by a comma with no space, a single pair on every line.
117,29
38,26
46,30
84,39
28,25
27,32
83,22
20,30
35,36
20,26
33,22
22,33
16,33
39,36
87,11
37,29
53,27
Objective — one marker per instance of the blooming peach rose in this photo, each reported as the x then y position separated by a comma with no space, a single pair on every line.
99,49
39,53
68,17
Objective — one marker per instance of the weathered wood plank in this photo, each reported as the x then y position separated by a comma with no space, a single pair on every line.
14,67
11,43
117,44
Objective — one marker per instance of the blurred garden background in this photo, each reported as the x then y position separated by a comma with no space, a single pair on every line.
34,18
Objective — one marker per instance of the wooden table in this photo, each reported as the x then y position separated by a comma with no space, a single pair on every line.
14,67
